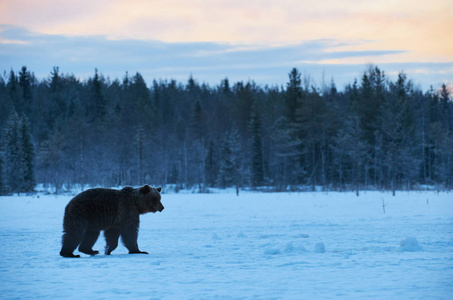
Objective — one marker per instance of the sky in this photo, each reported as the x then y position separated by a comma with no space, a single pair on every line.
241,40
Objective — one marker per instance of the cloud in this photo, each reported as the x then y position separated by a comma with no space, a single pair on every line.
207,61
420,27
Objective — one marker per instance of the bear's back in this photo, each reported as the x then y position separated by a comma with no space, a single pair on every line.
101,207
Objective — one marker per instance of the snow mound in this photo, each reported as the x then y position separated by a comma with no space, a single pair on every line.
272,251
290,248
320,248
215,237
410,244
304,235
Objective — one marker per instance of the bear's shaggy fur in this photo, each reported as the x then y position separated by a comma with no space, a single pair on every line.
114,211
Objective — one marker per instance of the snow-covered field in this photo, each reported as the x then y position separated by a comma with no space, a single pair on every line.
257,245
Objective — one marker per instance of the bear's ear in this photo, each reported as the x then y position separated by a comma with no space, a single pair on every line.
159,189
128,189
145,189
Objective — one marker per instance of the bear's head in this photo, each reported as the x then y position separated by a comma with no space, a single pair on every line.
149,200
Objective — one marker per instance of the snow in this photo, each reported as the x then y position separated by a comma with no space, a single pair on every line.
320,248
410,244
257,245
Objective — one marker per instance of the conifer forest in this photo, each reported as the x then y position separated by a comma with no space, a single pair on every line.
374,133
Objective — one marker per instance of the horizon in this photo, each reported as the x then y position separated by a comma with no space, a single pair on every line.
321,85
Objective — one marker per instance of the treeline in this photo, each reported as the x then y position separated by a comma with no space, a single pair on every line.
374,134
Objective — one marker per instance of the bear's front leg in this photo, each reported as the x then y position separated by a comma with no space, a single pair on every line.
129,235
138,252
111,239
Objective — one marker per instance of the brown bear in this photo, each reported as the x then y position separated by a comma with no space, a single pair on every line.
114,211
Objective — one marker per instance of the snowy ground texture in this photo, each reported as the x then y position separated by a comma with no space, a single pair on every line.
257,245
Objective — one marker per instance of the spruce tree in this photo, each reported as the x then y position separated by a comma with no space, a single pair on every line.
97,107
293,95
229,164
25,83
256,148
197,121
225,86
55,80
14,167
372,94
12,85
290,132
28,157
2,186
211,165
19,156
397,134
242,105
444,97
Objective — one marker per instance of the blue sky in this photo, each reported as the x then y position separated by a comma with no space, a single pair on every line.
211,40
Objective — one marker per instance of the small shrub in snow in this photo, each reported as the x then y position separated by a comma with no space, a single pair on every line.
241,235
304,235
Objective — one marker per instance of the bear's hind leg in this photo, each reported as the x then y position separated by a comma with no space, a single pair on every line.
70,243
111,238
88,242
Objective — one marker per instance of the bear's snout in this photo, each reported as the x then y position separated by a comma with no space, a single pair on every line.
161,208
